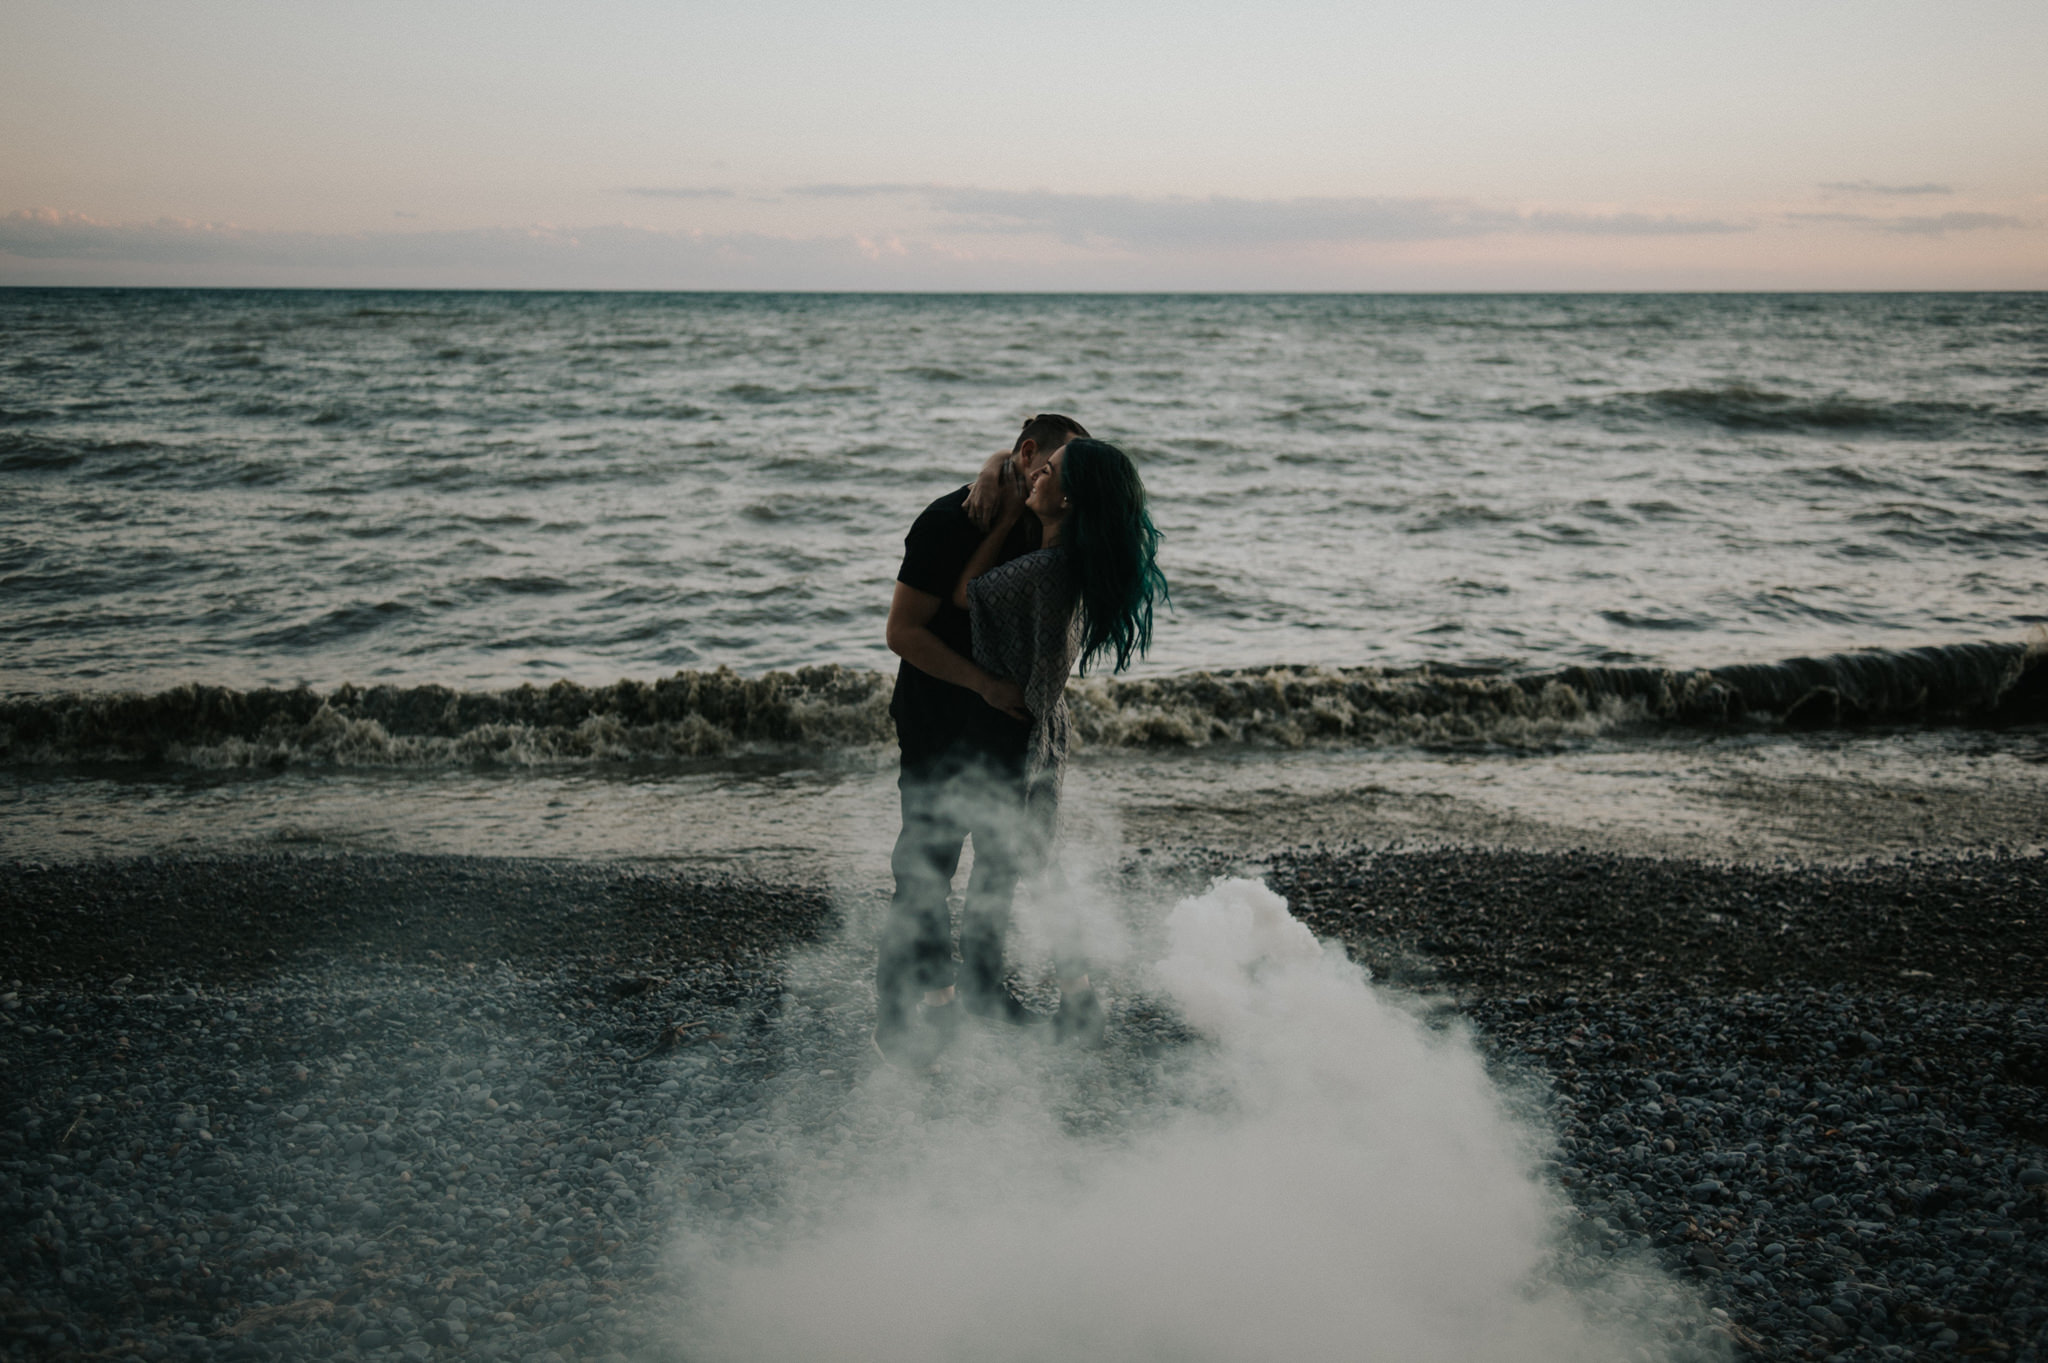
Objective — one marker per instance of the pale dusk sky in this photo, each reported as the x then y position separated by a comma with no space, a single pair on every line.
1467,145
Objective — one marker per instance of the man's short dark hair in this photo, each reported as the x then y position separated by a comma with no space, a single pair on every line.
1049,430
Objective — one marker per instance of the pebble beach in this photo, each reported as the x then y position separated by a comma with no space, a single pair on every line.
419,1107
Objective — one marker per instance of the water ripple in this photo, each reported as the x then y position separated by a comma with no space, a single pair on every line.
483,488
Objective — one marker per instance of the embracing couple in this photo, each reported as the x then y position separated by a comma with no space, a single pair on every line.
1049,558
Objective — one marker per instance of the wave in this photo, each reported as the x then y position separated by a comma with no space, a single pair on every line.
819,709
31,453
1742,407
692,714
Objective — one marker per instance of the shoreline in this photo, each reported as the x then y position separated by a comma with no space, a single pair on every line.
441,1115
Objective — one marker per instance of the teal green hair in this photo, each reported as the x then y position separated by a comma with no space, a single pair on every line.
1115,551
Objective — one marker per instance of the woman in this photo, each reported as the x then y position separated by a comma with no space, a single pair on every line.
1087,594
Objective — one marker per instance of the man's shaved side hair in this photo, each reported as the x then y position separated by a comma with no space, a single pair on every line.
1049,430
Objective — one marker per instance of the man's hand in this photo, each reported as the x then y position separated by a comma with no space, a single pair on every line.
993,487
910,638
1007,697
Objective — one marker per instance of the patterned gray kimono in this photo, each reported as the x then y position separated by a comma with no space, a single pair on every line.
1026,622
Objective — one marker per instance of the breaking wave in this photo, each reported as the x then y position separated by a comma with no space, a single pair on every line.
817,709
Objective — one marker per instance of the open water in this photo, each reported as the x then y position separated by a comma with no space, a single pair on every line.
247,529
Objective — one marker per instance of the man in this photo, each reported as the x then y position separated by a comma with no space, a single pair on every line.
962,733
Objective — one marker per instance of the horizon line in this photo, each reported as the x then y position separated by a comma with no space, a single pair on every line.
1019,293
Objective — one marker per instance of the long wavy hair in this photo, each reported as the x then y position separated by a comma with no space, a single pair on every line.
1115,549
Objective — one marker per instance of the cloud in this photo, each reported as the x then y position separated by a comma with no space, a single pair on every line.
859,191
1132,222
1891,191
946,238
601,257
674,192
1095,222
1923,225
46,234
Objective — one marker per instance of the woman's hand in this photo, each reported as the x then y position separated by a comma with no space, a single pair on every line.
1006,696
996,488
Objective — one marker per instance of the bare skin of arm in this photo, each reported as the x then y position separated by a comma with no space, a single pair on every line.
985,498
910,638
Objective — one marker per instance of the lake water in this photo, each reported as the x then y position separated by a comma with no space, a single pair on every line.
239,490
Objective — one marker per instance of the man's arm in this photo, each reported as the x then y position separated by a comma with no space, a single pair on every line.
910,638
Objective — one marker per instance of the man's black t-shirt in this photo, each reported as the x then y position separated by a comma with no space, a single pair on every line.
932,715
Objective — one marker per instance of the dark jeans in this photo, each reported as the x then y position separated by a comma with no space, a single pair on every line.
948,797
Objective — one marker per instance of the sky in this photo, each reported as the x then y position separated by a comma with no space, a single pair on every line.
901,145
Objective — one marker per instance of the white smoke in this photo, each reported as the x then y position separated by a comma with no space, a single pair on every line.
1323,1176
